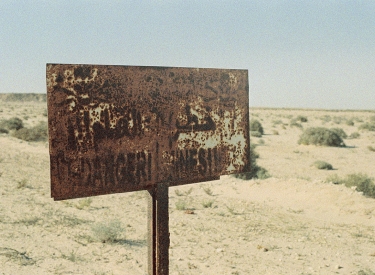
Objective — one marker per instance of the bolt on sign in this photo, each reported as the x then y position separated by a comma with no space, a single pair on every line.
117,129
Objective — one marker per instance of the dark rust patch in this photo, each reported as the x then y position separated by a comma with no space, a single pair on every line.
126,128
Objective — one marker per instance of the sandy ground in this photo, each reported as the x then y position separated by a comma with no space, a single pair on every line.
292,223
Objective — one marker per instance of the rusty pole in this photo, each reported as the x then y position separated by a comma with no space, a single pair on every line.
158,230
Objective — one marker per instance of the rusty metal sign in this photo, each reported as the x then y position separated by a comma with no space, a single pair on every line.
126,128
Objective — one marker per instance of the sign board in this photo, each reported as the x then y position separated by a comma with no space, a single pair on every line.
125,128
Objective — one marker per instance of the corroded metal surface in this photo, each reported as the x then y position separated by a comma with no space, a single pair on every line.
158,229
126,128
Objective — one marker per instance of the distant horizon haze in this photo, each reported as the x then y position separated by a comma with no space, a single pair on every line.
29,97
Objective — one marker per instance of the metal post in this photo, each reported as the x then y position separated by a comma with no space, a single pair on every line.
158,230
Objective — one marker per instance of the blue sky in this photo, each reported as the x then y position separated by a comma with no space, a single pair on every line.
305,54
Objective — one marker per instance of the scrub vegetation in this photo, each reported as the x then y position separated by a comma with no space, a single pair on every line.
257,172
322,165
358,181
322,137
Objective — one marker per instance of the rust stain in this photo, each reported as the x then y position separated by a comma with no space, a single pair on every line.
126,128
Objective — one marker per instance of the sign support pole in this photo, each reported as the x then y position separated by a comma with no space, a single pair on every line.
158,230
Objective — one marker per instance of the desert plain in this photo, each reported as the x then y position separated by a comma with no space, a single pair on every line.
293,222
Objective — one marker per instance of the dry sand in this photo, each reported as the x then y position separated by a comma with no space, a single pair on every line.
291,223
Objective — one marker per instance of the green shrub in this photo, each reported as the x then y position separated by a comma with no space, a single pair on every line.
13,123
185,193
178,192
3,131
262,173
337,120
372,149
301,119
84,203
256,126
276,122
208,190
335,179
255,134
256,172
320,136
326,118
322,165
72,256
354,135
350,122
370,126
107,232
362,182
22,184
340,132
294,123
36,133
253,153
207,203
365,272
181,205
